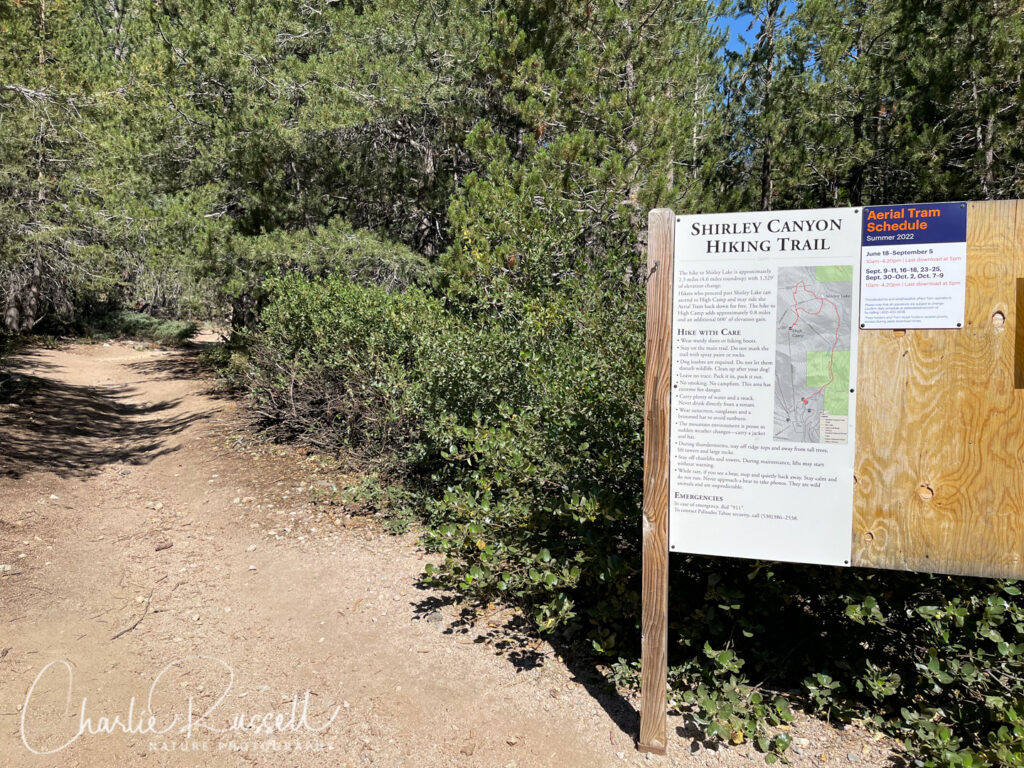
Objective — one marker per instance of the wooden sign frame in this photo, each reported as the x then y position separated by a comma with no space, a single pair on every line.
939,468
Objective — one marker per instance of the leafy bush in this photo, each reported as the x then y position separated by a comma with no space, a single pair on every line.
245,264
137,325
933,660
541,449
520,424
332,362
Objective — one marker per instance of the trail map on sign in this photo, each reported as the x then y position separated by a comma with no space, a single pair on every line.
812,357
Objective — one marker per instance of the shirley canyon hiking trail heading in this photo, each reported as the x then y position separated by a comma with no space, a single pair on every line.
145,555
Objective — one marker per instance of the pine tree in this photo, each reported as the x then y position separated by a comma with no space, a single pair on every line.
599,107
756,84
963,96
49,79
845,102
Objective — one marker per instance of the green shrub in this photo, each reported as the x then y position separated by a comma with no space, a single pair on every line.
934,660
246,264
333,362
520,424
137,325
537,490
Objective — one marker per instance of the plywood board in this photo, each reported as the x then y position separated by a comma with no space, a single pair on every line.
939,469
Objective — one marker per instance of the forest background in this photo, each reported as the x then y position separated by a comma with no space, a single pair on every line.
425,223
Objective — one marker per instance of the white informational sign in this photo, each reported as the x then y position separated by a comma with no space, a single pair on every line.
763,370
914,268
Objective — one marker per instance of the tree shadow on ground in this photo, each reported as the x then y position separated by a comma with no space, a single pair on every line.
585,670
75,431
183,363
517,640
515,637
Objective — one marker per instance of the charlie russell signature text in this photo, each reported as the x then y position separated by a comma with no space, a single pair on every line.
147,721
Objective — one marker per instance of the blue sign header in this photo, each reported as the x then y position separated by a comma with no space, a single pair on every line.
915,223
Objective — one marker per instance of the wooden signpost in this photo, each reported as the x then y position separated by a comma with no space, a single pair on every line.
938,470
657,402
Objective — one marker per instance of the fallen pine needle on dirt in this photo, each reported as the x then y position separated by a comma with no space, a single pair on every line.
138,620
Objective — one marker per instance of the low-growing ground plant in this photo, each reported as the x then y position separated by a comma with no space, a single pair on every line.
138,325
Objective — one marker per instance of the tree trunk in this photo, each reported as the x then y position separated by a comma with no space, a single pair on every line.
855,185
988,178
767,46
12,315
34,288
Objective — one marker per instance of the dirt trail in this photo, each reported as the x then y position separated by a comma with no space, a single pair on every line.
121,496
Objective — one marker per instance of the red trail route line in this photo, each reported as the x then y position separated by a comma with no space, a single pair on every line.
821,306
